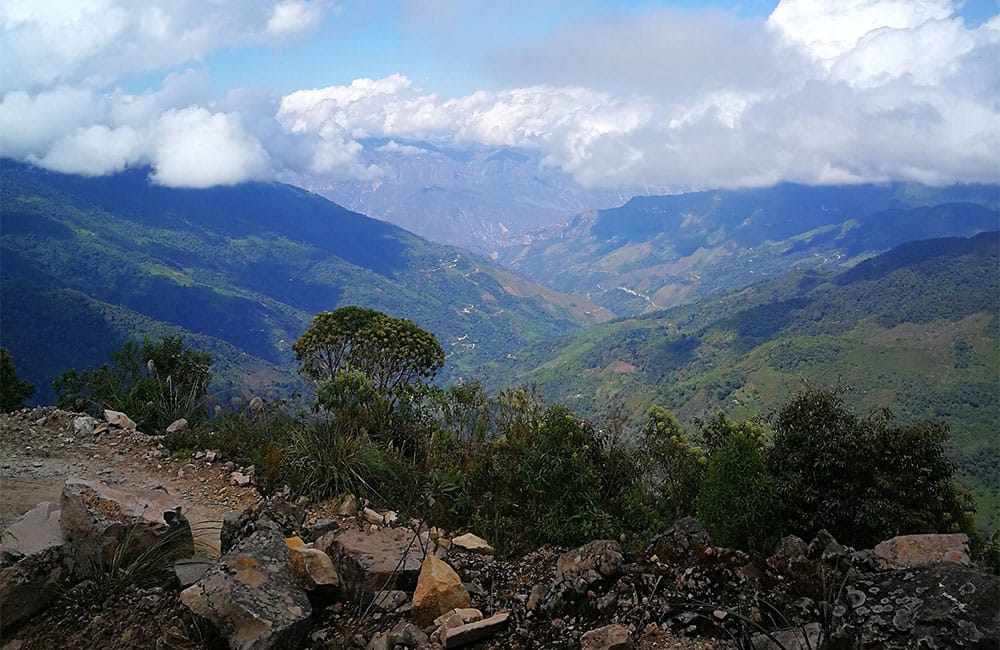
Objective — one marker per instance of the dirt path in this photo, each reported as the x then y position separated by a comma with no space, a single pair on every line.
39,450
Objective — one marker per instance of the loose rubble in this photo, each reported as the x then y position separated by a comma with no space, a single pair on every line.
342,573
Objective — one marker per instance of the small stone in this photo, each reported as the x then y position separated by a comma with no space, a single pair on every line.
472,632
472,543
177,425
609,637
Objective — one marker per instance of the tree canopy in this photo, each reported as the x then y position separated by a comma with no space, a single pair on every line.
393,353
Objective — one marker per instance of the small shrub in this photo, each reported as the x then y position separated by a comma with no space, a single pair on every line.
154,383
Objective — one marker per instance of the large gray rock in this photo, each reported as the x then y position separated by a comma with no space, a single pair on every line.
31,557
252,596
583,568
97,521
387,558
946,605
685,540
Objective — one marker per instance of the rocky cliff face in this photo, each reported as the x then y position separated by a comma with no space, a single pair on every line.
336,574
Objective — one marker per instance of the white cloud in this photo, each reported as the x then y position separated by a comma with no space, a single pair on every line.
29,124
95,42
196,148
828,29
823,91
405,149
294,16
94,151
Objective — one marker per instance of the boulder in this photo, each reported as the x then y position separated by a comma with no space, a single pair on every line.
908,551
472,543
686,539
609,637
252,597
119,419
97,521
598,559
581,569
177,425
33,532
32,565
945,605
439,589
387,558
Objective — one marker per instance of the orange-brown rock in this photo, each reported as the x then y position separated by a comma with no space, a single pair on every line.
439,589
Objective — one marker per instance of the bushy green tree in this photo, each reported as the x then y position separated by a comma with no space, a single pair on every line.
371,371
394,353
737,496
154,383
864,479
676,465
13,389
719,428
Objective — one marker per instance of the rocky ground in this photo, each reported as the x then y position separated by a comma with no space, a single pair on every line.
340,575
40,449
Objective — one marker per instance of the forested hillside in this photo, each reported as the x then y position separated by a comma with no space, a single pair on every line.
915,330
89,262
657,252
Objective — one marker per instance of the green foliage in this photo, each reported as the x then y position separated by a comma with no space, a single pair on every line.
736,499
371,368
153,383
393,353
677,466
863,479
719,428
322,460
13,389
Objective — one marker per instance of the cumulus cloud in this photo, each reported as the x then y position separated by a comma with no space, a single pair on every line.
94,42
823,91
196,148
294,16
94,151
61,57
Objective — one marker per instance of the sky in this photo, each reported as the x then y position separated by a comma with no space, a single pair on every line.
616,93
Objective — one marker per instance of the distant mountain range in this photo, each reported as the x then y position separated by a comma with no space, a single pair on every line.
916,329
480,198
656,252
88,262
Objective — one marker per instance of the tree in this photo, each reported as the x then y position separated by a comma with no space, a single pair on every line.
13,389
719,428
394,353
737,494
864,479
678,467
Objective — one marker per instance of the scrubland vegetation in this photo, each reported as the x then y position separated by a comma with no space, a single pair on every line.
525,473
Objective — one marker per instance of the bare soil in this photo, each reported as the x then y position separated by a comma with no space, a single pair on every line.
39,450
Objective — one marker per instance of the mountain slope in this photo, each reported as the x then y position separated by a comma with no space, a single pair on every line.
916,329
246,265
478,198
659,251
